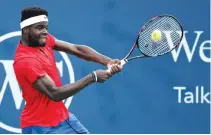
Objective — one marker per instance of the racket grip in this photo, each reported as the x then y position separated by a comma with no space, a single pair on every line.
123,61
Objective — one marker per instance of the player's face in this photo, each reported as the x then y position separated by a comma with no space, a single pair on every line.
38,33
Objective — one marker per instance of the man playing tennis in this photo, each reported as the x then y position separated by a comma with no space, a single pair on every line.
38,77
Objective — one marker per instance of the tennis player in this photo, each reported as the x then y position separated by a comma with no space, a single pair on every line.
38,77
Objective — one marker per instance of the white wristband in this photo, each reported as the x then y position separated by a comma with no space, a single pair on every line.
95,74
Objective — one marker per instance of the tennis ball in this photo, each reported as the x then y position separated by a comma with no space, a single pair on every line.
156,35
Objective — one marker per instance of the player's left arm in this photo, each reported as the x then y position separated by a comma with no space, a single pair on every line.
85,52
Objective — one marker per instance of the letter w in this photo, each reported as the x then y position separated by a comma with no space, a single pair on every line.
189,52
10,80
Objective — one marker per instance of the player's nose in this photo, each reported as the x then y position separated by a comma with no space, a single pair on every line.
45,31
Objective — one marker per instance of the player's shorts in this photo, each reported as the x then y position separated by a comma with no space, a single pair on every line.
70,126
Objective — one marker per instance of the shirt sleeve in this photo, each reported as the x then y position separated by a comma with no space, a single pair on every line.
51,39
33,70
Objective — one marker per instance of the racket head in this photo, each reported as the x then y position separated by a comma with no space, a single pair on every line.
171,33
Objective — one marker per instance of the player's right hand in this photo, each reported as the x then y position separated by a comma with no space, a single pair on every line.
102,75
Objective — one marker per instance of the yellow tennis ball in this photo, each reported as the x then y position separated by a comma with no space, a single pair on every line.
156,35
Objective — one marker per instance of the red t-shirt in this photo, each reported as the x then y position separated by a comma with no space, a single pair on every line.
31,63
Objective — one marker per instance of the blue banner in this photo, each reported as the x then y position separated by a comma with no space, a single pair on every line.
168,94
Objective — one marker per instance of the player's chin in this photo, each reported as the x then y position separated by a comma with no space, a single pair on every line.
42,41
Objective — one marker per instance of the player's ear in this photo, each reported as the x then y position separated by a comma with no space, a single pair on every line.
25,30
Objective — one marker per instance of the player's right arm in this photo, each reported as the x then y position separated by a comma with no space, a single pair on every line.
47,86
31,70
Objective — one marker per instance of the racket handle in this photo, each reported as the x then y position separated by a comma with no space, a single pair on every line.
123,61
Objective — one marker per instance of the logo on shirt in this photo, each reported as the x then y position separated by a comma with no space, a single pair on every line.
10,93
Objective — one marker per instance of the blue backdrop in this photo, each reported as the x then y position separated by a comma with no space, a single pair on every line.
142,98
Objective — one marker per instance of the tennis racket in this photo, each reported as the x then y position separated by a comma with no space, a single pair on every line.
159,36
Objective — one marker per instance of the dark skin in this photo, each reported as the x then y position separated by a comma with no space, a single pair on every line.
35,36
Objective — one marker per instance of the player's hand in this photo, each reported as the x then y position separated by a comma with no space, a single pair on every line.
114,66
102,75
114,61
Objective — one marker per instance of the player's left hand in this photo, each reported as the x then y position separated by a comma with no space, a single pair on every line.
114,66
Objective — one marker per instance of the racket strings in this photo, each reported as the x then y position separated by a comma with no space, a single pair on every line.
145,37
162,46
152,48
159,46
156,47
174,39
